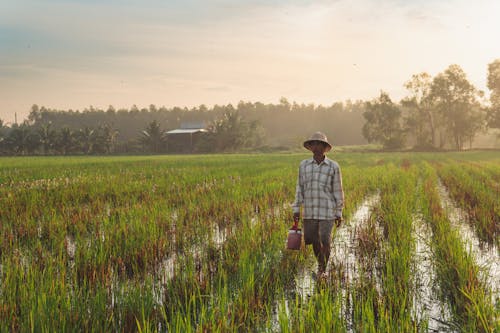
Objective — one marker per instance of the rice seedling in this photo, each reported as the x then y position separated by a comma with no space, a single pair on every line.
457,271
474,191
197,243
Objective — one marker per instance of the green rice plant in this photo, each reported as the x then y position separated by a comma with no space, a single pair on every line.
474,191
86,243
388,286
459,280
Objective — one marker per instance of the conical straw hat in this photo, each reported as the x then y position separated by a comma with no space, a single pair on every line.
318,136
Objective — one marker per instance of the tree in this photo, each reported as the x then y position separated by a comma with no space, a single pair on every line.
383,123
35,114
21,139
106,138
232,132
457,102
66,141
86,138
47,137
420,120
2,136
494,86
153,138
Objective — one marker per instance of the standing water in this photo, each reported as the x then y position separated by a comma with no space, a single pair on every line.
426,303
486,256
343,250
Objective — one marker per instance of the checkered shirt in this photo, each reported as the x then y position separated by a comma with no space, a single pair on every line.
319,190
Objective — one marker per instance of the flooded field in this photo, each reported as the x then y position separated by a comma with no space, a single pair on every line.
197,243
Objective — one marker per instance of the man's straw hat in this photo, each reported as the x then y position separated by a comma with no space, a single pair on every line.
318,136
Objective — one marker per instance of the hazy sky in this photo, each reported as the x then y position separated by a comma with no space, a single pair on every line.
75,53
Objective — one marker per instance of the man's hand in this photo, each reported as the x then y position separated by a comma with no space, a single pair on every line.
338,221
296,217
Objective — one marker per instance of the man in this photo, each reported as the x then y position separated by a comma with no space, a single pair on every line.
319,192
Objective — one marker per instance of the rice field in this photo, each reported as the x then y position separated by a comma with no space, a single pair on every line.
197,244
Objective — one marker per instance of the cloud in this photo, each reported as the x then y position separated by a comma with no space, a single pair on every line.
192,52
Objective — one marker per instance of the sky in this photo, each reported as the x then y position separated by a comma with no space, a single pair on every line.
73,54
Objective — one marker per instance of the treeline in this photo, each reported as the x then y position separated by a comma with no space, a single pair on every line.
230,132
229,128
439,112
446,111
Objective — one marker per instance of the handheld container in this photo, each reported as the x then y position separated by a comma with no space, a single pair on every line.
294,240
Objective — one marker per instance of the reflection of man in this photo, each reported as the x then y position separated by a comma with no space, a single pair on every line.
319,192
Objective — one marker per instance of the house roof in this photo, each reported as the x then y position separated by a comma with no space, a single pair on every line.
188,131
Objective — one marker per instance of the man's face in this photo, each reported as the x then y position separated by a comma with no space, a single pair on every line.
317,147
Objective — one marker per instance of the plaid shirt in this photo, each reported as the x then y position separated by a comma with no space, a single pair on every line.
319,190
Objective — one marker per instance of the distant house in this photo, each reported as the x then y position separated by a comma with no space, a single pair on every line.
185,138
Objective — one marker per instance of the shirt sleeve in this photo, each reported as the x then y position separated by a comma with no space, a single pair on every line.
299,193
338,192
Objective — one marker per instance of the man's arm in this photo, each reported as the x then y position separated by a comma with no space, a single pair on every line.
299,197
338,193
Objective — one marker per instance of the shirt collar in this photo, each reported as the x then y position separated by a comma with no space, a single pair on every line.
325,161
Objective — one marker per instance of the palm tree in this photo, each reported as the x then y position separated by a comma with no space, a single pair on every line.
21,139
87,138
108,137
66,141
153,138
47,137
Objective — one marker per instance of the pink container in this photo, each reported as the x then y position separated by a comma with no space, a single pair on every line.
294,240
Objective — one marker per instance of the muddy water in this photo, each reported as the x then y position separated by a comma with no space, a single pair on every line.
426,303
486,256
304,280
70,245
343,251
219,235
166,269
300,290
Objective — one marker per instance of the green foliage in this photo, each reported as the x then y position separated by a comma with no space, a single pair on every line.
383,123
21,140
282,123
48,138
44,139
494,86
153,138
232,132
420,120
457,104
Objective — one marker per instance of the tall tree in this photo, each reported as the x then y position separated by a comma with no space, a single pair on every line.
494,86
231,132
86,138
66,142
47,137
457,102
107,138
383,123
35,114
420,120
153,138
21,139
